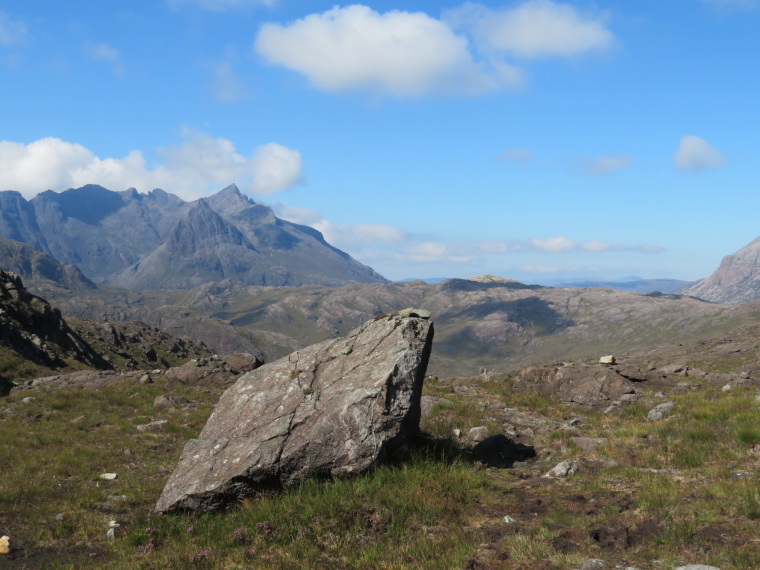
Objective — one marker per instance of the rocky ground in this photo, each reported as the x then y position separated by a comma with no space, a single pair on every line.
650,462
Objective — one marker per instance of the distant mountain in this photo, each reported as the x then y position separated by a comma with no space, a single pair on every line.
159,241
38,268
737,280
635,286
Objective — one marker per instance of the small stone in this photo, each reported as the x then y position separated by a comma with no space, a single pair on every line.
457,432
740,475
697,567
744,375
145,379
588,443
563,469
156,371
478,433
5,544
726,388
660,411
163,401
609,359
594,564
152,425
108,476
59,517
27,400
510,521
346,351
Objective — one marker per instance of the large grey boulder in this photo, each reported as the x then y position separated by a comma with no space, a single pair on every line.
336,408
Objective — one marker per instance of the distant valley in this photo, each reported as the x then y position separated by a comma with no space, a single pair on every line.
227,272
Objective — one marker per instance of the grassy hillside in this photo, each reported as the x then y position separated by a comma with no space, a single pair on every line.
651,494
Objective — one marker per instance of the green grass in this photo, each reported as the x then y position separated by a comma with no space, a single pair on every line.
436,510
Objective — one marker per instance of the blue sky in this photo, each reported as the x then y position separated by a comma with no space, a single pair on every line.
535,139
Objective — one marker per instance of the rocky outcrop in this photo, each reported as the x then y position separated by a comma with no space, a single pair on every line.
215,371
737,280
590,386
332,409
35,331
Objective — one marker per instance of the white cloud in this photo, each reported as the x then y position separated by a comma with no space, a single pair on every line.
274,168
695,154
515,154
11,31
221,5
104,52
601,165
554,244
562,244
398,53
536,28
190,169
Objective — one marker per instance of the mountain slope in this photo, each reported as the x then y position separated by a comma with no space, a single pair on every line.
201,248
38,268
499,326
157,240
737,280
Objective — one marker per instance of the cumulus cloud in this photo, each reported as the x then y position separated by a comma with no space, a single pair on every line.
534,29
411,54
695,154
397,53
601,165
221,5
191,169
104,52
515,154
11,31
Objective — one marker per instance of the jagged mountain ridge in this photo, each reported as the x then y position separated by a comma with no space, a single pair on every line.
737,280
159,241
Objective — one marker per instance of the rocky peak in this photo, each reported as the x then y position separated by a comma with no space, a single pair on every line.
203,228
228,202
736,280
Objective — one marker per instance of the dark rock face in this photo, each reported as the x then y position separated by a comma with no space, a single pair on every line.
34,330
737,280
589,386
332,409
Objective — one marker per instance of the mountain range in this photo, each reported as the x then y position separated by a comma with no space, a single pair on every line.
159,241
